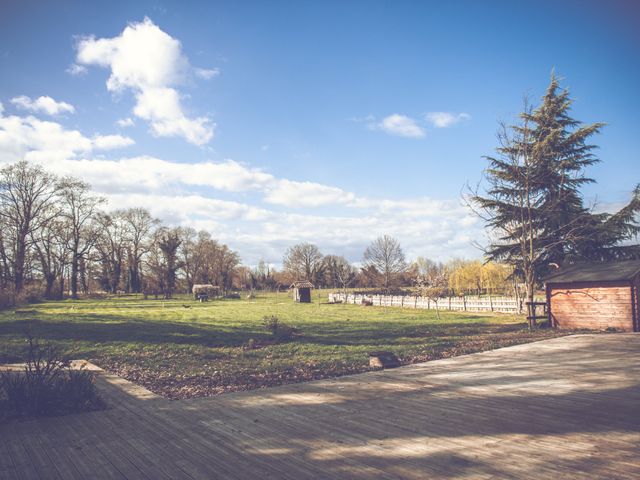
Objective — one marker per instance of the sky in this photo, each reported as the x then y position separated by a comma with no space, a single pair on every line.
273,123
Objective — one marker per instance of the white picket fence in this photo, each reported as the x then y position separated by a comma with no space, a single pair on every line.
467,304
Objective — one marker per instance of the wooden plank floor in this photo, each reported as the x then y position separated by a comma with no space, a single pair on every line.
563,408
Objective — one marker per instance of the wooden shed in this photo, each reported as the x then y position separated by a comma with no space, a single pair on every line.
595,296
302,291
205,291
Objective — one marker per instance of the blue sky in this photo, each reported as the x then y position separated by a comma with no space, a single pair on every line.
270,123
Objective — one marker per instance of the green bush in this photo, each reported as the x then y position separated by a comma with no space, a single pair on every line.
48,386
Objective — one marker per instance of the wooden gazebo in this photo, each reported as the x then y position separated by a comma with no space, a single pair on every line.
302,291
595,295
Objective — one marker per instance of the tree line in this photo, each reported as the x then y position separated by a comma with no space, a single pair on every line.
57,239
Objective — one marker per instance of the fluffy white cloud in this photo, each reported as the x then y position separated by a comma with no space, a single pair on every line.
446,119
125,122
189,194
401,125
43,104
149,62
44,141
306,194
109,142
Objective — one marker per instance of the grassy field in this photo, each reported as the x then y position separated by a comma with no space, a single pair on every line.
181,348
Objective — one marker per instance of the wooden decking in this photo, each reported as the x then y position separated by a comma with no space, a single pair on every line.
559,409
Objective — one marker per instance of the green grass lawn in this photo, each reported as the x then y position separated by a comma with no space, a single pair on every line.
221,346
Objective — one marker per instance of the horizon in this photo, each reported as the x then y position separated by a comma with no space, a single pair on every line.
288,123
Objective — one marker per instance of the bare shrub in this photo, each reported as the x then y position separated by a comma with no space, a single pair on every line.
279,330
48,386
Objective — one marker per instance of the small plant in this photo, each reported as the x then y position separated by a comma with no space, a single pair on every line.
48,385
279,330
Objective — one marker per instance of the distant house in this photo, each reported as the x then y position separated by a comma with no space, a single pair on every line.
595,296
302,291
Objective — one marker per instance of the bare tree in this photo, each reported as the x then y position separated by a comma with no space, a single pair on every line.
80,208
432,281
304,262
50,244
340,273
387,257
110,249
26,192
139,226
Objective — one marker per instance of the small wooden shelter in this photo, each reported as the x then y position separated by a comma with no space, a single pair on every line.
205,291
302,291
595,296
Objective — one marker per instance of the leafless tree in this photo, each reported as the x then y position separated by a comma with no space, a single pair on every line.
139,226
51,249
304,262
387,257
80,207
26,192
340,273
432,281
111,249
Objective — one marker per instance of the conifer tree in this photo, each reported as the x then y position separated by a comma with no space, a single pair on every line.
533,204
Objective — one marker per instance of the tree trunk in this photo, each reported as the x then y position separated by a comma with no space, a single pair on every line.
18,269
74,276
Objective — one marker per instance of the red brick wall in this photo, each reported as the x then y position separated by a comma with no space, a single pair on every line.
592,306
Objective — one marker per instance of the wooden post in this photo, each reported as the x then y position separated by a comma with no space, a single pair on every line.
464,302
490,303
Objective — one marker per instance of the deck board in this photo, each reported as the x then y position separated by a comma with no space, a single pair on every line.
561,408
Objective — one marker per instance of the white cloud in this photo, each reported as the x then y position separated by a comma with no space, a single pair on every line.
33,139
42,104
400,125
149,62
30,138
446,119
76,70
206,73
109,142
125,122
189,194
306,194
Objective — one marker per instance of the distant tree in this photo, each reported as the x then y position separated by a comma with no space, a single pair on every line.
339,272
168,242
26,193
387,257
80,207
433,282
111,247
304,262
50,243
138,226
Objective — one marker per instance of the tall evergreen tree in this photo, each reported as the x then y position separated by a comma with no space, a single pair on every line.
534,205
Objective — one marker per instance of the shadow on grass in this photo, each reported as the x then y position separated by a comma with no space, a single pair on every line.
119,328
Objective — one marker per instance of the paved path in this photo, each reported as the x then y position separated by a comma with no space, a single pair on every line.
558,409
